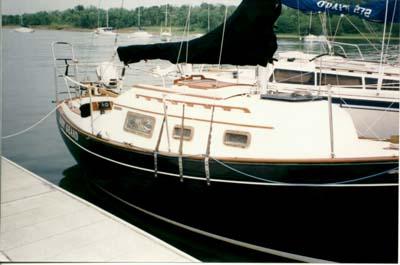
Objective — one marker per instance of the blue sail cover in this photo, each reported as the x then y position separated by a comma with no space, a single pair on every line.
372,11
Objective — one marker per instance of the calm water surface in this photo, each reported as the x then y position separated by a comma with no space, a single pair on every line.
28,92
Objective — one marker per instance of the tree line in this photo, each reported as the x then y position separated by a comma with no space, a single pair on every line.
290,22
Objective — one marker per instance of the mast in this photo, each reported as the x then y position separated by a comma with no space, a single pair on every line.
380,78
166,15
98,17
208,18
139,17
324,22
107,18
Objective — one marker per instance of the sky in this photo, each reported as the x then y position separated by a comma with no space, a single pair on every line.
32,6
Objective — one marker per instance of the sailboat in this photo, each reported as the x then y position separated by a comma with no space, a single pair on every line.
368,89
283,174
107,30
23,28
140,33
311,38
208,23
166,33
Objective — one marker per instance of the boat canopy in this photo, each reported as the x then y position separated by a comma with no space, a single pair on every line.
248,39
372,11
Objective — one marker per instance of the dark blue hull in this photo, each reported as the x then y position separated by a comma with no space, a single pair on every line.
344,224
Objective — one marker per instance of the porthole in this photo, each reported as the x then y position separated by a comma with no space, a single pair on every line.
237,139
187,132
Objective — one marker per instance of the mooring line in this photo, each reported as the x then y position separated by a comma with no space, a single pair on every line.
32,126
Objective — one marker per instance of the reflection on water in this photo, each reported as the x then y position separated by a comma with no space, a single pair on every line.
289,218
77,181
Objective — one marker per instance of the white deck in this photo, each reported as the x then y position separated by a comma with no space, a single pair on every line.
42,222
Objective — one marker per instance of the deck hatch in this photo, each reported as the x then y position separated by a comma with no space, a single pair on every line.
139,124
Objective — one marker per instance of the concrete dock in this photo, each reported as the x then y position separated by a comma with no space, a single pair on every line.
41,222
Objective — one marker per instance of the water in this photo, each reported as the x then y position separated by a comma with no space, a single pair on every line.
28,92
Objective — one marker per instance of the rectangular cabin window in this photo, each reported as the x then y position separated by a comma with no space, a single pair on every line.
293,77
339,80
187,132
371,83
392,85
237,139
139,124
387,84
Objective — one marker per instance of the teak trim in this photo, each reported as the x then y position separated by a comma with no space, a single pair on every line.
191,103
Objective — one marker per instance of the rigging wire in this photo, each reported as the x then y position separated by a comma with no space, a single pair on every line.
185,32
363,35
369,28
383,37
329,22
298,19
337,27
223,37
368,127
391,28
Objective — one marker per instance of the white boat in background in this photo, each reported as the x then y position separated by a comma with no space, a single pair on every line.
314,38
311,38
23,28
166,35
166,32
140,33
107,30
368,90
347,77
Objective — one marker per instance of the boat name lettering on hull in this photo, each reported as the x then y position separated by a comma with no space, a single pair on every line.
357,9
68,129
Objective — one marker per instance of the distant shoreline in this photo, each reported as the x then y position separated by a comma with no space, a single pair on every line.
150,29
156,30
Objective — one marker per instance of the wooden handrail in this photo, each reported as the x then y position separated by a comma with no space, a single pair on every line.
191,103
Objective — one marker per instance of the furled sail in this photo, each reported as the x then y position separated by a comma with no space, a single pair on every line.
249,39
373,11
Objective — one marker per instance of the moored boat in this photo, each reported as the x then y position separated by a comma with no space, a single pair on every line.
107,30
140,33
23,28
281,173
